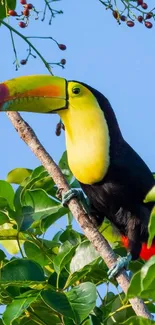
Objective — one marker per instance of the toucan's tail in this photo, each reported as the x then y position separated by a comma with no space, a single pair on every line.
146,252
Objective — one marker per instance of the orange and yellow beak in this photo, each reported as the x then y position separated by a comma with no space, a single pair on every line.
36,93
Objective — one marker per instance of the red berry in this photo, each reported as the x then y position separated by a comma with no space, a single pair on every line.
149,15
12,13
140,19
23,2
62,47
144,5
123,18
26,12
130,23
139,2
63,61
22,24
148,24
29,6
23,62
115,14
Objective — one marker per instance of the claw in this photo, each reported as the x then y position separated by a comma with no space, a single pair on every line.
69,195
123,262
73,192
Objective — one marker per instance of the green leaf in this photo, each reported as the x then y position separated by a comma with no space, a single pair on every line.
58,301
137,320
135,285
151,227
7,192
143,281
46,222
21,270
107,231
66,251
71,235
18,175
147,278
8,238
5,5
75,304
42,204
25,220
58,280
84,254
150,197
3,218
35,253
121,315
42,312
83,300
63,164
16,308
38,171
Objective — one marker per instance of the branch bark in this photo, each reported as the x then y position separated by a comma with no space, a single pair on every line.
99,242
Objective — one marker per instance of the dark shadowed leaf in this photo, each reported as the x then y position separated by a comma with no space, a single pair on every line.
119,316
42,312
18,175
71,235
21,270
7,192
11,4
3,218
58,280
59,302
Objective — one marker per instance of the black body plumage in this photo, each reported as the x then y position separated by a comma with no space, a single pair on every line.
119,196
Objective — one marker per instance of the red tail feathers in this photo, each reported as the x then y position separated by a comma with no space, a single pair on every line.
146,252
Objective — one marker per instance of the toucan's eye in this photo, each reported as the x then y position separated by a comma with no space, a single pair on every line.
76,90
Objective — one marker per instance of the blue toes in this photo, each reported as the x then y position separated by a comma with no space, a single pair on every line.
69,195
123,262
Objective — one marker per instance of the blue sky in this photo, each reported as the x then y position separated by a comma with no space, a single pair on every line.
117,60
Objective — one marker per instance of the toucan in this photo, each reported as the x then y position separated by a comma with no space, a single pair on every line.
114,178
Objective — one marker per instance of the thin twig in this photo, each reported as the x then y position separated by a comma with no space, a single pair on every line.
98,241
15,52
28,42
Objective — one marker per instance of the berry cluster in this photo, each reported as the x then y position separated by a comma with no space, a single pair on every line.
25,13
133,11
24,20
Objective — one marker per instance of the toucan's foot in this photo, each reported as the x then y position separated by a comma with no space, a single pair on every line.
122,262
74,193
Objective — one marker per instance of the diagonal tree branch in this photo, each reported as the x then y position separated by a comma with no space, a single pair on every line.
99,242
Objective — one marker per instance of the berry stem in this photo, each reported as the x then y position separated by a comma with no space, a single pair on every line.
15,52
29,43
43,37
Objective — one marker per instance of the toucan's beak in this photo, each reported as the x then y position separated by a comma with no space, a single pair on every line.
38,93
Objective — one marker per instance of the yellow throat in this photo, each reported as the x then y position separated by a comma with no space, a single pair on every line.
87,136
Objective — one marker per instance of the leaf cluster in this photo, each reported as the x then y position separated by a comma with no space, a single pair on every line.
58,281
